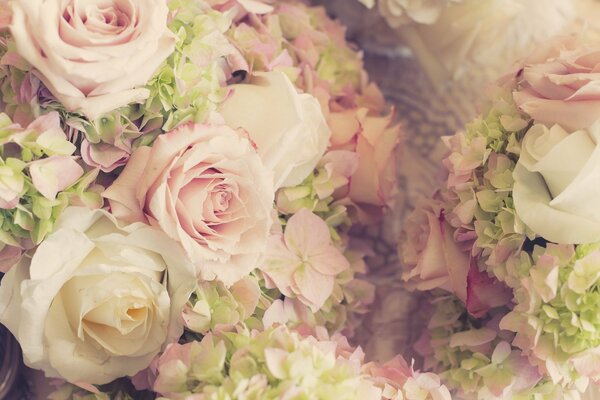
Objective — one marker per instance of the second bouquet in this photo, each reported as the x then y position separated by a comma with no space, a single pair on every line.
509,246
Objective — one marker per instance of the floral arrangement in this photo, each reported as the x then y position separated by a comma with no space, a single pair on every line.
509,248
466,39
275,363
178,181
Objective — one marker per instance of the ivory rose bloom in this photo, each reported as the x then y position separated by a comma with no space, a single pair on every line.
556,190
98,300
93,56
206,187
561,85
288,128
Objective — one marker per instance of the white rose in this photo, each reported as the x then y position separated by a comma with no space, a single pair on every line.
93,56
97,301
557,184
289,128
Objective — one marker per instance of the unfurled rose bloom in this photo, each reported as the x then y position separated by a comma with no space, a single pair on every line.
288,128
375,140
206,187
561,86
555,191
94,57
432,256
97,301
303,262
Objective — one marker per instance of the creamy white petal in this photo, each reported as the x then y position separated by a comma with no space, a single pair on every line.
290,138
533,206
565,161
85,314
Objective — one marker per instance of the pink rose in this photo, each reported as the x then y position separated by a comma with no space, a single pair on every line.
374,139
206,187
93,56
430,253
561,85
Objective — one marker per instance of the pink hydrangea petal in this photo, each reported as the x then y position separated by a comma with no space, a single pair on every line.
314,287
306,233
54,174
330,261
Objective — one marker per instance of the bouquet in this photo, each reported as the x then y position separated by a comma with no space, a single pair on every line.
509,248
178,182
481,39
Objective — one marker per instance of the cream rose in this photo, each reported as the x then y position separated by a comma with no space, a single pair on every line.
93,56
557,184
206,187
289,128
97,301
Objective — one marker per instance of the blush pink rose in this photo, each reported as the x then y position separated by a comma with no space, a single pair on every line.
93,56
374,139
561,85
206,187
430,253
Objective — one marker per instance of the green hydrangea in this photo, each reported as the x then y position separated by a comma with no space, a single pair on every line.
273,364
318,193
191,82
214,307
556,318
481,163
33,215
478,359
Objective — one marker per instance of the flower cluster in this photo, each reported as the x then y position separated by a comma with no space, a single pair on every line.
476,40
188,171
280,363
513,235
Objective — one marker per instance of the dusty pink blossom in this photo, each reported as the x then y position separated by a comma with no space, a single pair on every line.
206,187
303,262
